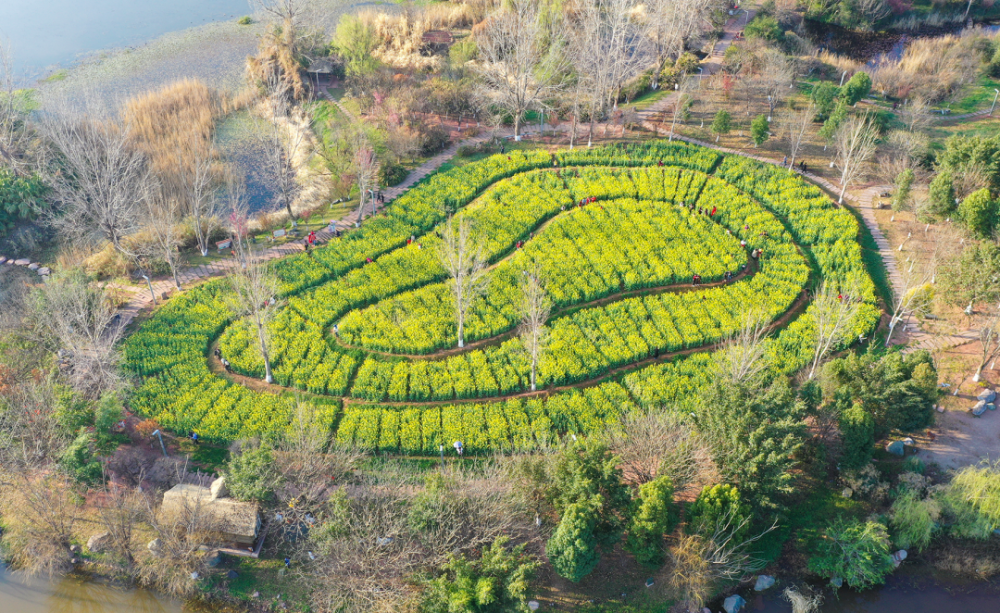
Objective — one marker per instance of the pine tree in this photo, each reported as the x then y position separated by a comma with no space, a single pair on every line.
760,130
653,517
722,124
573,548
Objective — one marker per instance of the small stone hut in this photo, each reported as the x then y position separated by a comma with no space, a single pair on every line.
230,521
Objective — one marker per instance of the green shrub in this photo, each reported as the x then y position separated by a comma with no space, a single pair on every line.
913,519
857,551
653,517
824,96
572,550
857,433
587,471
721,124
464,50
904,186
251,475
719,506
760,130
79,460
245,20
979,486
497,582
856,88
392,173
978,213
764,27
942,194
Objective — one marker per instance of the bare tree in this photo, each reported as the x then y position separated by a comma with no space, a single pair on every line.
681,98
916,114
281,141
366,167
101,180
856,142
913,281
13,115
119,509
701,562
535,309
164,226
832,312
775,78
253,283
79,321
465,265
671,24
655,443
516,69
797,127
202,200
743,355
989,337
613,47
40,514
31,436
175,563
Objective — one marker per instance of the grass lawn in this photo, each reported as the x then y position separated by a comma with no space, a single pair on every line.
976,97
649,98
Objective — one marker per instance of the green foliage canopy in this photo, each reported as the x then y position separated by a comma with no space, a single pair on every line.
857,551
498,582
654,516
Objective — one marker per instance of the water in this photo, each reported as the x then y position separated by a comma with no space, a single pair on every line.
51,33
900,594
76,595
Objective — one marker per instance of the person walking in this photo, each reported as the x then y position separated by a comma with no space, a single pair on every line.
458,448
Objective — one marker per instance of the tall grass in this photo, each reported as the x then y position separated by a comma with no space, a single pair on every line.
174,125
934,68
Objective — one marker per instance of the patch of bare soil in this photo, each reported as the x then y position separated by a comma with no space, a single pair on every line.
958,438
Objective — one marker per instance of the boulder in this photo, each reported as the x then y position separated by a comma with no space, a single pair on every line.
847,492
991,406
99,541
763,582
908,442
154,546
22,262
896,448
232,574
733,604
898,557
837,582
3,259
44,271
34,266
987,395
218,488
979,408
214,559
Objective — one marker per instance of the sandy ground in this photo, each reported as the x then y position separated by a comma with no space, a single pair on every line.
958,438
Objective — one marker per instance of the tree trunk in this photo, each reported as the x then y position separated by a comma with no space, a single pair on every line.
461,332
263,352
842,190
517,126
534,369
149,284
177,282
590,132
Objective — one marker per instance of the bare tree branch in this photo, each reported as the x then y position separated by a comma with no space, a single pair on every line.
465,265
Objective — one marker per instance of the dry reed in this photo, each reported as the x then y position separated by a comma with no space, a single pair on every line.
932,68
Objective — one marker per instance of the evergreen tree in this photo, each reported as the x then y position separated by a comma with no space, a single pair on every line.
653,517
856,551
587,471
856,88
498,582
572,550
857,430
978,213
942,194
760,130
719,506
904,185
722,124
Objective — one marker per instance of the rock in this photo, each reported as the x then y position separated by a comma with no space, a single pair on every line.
763,582
232,574
214,559
898,557
987,395
3,259
908,442
837,582
34,266
649,582
896,448
979,408
74,548
847,492
165,296
255,595
154,547
22,262
733,604
44,271
99,541
939,408
218,488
